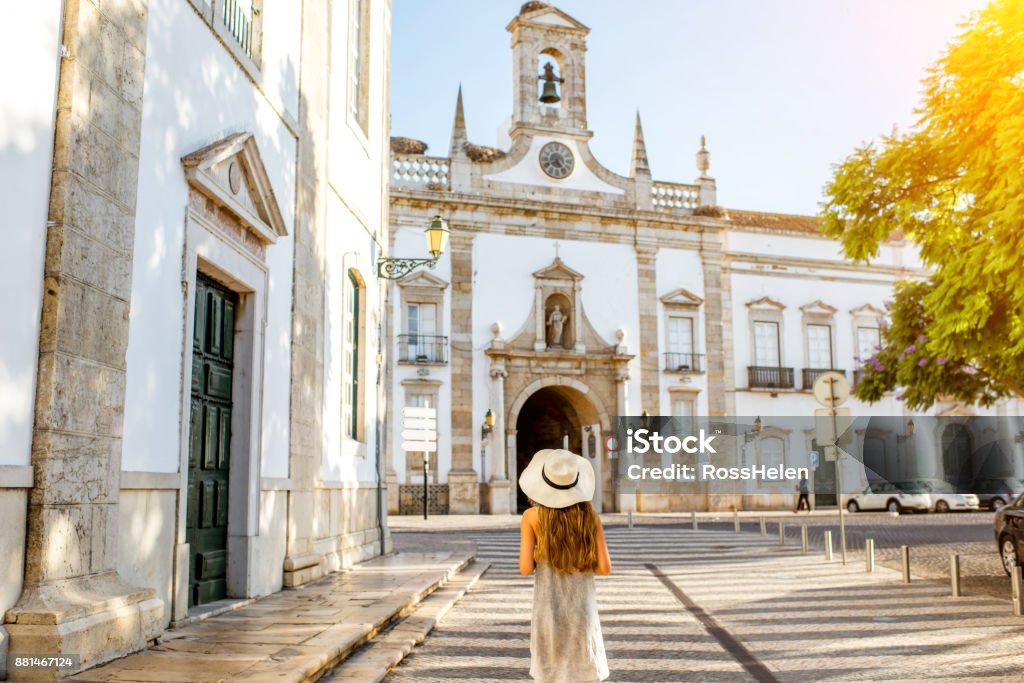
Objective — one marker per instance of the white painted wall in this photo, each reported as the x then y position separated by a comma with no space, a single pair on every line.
503,291
409,242
529,171
675,269
351,247
357,168
196,94
30,37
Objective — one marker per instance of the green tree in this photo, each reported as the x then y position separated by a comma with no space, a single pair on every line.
954,186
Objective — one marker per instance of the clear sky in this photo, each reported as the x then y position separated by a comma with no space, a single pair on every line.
783,89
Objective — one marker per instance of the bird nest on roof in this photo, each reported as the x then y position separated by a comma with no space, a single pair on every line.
408,146
532,5
482,154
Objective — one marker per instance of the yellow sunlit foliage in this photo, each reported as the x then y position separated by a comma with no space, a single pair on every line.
953,185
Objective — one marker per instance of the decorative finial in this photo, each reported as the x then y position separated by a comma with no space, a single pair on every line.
557,245
703,158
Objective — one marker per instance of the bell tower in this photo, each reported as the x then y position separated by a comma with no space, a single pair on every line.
548,49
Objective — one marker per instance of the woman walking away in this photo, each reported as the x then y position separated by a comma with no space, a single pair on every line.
562,538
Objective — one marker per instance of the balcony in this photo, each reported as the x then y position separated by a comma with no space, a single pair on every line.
684,362
765,377
422,348
809,375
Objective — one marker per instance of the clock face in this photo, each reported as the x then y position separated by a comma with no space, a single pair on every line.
556,159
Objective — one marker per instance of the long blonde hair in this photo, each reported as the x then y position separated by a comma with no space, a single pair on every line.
567,538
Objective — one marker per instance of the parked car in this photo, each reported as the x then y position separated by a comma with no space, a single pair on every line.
995,493
884,495
945,497
1008,524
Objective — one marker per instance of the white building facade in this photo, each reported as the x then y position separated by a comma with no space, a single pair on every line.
571,295
200,187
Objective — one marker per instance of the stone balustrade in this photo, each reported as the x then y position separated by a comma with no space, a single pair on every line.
674,196
420,172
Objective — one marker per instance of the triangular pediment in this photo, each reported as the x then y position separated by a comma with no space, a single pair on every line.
682,297
558,271
231,173
422,278
546,15
818,307
867,310
766,302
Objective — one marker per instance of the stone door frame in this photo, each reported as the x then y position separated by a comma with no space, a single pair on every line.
516,406
220,256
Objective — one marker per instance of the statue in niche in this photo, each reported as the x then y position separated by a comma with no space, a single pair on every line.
556,326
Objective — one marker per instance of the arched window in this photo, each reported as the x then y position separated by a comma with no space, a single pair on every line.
352,354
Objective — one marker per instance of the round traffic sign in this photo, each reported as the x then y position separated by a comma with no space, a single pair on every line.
611,443
831,389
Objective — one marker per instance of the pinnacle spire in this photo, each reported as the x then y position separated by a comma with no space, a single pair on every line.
640,164
459,138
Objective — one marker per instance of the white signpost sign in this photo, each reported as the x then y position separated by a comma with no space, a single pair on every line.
419,435
831,389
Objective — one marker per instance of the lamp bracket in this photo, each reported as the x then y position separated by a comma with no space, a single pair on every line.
395,268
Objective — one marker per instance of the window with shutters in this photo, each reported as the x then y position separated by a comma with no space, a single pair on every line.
352,356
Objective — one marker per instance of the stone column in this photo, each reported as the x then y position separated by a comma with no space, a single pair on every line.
624,502
718,326
73,599
302,563
499,484
463,487
646,260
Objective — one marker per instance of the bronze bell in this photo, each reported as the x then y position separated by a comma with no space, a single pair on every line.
549,95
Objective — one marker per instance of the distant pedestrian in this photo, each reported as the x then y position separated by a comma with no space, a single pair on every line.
562,539
804,502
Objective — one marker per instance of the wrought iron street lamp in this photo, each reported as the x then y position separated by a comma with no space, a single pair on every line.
437,239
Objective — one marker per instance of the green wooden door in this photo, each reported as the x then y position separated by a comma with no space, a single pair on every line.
210,442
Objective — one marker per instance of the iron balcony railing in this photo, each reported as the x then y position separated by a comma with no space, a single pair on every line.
808,375
239,23
767,377
684,362
422,348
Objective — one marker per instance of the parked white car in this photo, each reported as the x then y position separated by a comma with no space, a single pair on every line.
884,495
945,497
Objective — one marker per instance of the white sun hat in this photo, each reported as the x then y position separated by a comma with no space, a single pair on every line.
558,479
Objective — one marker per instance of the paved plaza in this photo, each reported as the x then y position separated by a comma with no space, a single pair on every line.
714,605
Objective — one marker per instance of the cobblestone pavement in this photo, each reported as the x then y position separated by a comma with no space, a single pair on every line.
686,606
932,539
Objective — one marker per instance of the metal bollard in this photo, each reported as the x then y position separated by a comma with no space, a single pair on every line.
869,555
803,539
954,575
630,513
693,520
828,546
736,521
905,562
764,532
1017,585
782,533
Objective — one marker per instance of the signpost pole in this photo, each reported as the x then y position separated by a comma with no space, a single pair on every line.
426,457
839,482
830,390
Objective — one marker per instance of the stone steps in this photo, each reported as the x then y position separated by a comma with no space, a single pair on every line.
294,635
373,662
